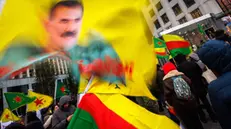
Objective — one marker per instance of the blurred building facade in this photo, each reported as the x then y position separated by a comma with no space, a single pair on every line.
27,79
164,14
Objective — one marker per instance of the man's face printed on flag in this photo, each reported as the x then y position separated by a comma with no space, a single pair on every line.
63,25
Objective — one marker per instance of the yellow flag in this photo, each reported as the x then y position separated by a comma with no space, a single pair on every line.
135,114
7,115
41,101
123,26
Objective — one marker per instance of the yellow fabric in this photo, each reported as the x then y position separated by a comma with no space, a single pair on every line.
44,100
160,50
169,37
134,114
7,115
134,88
21,18
123,25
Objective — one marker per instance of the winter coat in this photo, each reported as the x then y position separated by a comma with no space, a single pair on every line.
32,121
35,125
170,95
194,72
59,117
216,55
195,58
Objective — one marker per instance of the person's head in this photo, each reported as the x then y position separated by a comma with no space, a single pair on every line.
30,117
221,35
15,126
180,58
65,103
168,67
64,23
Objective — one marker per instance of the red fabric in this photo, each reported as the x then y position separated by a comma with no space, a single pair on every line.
101,67
162,53
4,70
177,44
172,111
103,116
19,71
168,67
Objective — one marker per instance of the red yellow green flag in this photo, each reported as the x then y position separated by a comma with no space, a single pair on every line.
160,48
100,111
7,116
177,45
16,100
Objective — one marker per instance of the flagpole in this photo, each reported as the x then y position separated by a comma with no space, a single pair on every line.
88,85
17,112
172,57
79,97
55,90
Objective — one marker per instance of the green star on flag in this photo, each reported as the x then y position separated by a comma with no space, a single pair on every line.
16,100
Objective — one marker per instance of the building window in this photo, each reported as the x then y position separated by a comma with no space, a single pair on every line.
196,13
182,20
176,9
151,13
225,5
165,18
189,3
169,27
32,72
24,75
157,24
159,6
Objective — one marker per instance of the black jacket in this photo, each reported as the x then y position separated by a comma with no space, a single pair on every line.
59,117
194,73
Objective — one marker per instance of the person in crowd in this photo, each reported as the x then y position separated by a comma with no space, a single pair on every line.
177,92
159,88
223,36
63,115
48,118
32,121
216,54
15,125
195,58
193,71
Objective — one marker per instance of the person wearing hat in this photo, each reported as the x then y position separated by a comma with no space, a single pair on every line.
62,116
179,97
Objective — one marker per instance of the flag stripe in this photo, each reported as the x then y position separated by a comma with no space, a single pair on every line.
135,114
169,37
184,51
104,117
162,53
158,56
177,44
83,120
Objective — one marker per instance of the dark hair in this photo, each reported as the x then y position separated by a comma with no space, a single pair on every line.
31,116
180,58
65,3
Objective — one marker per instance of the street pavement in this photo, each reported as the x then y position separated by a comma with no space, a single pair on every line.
212,125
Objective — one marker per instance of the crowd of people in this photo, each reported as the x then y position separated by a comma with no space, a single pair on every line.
54,117
181,87
188,80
